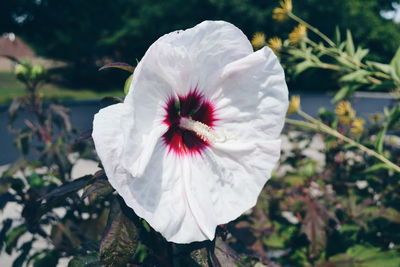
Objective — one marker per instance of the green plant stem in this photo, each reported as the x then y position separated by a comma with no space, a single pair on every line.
340,53
312,28
319,126
329,66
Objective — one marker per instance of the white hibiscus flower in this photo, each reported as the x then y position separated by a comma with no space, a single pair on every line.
198,134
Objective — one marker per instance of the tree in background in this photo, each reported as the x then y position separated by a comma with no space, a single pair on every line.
87,33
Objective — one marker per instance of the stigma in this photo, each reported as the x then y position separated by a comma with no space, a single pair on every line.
202,130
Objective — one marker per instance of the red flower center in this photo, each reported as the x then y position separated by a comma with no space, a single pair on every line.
194,106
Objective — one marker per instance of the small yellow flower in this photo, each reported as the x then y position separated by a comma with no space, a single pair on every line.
258,40
294,104
280,13
275,44
357,126
345,112
298,33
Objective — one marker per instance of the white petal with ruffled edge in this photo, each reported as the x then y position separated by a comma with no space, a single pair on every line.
186,198
251,98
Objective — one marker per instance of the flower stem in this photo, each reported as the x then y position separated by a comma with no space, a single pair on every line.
312,28
319,126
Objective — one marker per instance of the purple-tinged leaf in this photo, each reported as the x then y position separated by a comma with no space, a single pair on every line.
111,99
223,255
62,112
120,238
314,226
118,65
100,188
68,188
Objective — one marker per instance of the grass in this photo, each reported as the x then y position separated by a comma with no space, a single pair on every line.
11,88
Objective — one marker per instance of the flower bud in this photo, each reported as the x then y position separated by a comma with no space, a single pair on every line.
345,112
275,44
298,34
357,126
294,104
280,13
37,71
258,40
20,71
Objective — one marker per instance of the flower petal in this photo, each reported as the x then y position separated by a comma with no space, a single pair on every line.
228,179
173,65
107,136
211,45
160,198
184,60
251,99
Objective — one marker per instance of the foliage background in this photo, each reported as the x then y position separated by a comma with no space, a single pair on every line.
88,34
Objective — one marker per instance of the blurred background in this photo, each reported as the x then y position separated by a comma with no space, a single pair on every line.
76,37
73,38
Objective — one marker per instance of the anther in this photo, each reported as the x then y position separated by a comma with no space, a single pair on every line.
203,131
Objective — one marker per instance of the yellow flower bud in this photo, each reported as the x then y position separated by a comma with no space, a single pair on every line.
280,13
258,40
275,44
294,104
357,126
298,33
345,112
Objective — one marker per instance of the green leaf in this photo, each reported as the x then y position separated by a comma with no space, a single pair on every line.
395,63
337,35
356,76
50,258
377,167
343,60
84,261
373,256
128,84
295,180
391,215
35,180
275,241
364,256
394,116
380,139
349,43
68,188
26,248
303,66
376,66
13,236
120,238
344,92
360,54
118,65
